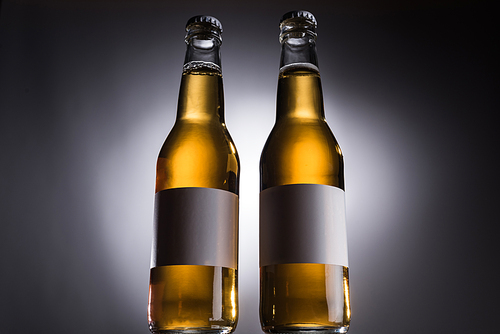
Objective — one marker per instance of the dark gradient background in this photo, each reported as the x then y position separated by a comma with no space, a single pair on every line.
88,92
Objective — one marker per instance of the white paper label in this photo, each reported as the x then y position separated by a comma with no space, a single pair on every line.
195,226
303,223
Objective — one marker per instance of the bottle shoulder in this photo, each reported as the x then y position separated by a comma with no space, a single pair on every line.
198,155
291,132
301,151
206,136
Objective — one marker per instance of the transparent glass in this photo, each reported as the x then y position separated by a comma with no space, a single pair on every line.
198,152
301,149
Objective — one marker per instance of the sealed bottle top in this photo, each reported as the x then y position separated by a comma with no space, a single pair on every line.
298,41
301,14
298,23
204,24
204,19
203,39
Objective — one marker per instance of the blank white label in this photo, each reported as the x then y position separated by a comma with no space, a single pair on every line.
303,223
195,226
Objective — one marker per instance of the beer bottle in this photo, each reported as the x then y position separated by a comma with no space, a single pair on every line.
304,277
193,278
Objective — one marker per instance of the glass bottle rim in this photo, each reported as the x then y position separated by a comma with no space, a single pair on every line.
204,26
298,24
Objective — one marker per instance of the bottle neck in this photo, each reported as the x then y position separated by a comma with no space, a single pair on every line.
201,96
203,49
298,42
299,85
300,50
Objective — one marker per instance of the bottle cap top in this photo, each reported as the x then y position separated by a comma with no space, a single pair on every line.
300,14
204,19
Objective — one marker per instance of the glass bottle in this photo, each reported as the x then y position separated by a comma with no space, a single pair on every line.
304,276
193,279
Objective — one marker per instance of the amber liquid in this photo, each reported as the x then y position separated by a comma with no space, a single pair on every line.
301,149
198,152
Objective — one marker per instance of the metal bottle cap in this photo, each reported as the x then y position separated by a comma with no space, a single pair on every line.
300,14
204,19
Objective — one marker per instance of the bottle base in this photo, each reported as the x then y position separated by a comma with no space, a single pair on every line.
201,330
305,330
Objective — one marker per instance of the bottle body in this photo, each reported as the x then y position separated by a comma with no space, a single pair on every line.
304,297
302,290
197,153
193,278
